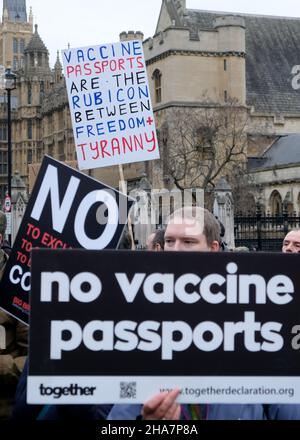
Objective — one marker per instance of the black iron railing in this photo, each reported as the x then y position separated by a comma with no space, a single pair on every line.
263,232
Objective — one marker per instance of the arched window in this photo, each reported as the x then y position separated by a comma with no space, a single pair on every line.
29,94
288,205
157,85
298,204
16,63
15,45
276,203
22,45
42,90
29,156
29,129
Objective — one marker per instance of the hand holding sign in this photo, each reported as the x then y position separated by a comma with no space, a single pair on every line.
162,406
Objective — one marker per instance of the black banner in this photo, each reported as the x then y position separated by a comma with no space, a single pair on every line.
67,209
165,319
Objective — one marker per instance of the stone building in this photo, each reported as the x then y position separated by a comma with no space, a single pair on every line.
15,33
196,60
277,177
41,122
198,56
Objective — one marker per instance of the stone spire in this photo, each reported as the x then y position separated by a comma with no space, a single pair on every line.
36,54
30,16
5,14
57,69
36,44
180,5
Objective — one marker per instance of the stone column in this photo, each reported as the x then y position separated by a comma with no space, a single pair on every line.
224,209
141,212
19,203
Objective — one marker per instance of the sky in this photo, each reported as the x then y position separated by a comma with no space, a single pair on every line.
89,22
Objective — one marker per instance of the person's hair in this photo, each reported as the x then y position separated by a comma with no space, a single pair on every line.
241,249
210,225
292,230
125,241
222,228
159,238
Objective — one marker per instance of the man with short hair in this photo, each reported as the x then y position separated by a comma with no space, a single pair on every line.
291,242
184,225
196,229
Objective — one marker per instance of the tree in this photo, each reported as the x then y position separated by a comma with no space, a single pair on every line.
205,144
243,188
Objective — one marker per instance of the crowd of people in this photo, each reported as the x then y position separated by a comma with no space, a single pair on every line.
188,229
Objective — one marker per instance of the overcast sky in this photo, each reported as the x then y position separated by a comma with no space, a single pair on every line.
88,22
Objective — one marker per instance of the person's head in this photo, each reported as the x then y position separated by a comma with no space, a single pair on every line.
291,242
155,241
159,240
241,249
2,225
222,228
192,229
125,241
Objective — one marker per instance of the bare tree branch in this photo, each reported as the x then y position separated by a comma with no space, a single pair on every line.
206,143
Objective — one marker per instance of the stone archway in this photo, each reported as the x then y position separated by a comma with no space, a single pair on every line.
275,203
298,204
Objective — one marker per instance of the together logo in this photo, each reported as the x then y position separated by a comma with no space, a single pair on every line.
72,390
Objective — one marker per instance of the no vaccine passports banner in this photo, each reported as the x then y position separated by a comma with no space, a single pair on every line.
110,104
67,209
222,327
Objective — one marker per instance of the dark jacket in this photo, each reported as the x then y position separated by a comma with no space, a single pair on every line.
13,351
221,412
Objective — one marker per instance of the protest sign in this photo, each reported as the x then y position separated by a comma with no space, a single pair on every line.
110,104
223,327
67,209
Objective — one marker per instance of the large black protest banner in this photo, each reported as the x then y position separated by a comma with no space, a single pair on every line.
223,327
67,209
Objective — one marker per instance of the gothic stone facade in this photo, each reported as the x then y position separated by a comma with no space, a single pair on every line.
194,56
198,56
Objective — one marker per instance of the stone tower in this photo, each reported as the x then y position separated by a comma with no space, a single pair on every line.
15,10
15,33
36,55
34,81
58,69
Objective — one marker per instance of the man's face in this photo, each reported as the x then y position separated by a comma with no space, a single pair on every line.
291,242
187,236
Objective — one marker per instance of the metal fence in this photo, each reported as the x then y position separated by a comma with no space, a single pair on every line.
263,232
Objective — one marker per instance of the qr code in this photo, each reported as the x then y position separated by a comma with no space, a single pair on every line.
127,390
